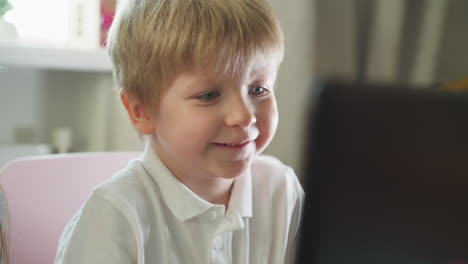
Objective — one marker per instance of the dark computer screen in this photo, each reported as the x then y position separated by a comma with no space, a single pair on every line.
386,176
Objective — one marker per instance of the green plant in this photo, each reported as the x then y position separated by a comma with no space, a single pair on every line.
4,7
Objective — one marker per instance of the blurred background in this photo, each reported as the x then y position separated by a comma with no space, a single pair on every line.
56,89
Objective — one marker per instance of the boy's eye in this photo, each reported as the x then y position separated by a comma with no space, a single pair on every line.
258,91
210,96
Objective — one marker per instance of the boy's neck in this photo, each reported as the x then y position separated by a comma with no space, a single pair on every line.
215,191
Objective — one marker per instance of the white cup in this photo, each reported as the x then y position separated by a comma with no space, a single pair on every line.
62,139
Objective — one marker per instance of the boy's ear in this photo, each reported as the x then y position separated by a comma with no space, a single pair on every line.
139,117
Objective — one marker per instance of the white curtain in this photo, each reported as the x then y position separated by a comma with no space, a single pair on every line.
420,42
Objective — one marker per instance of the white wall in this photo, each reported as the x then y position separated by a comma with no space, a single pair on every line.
295,77
35,102
21,106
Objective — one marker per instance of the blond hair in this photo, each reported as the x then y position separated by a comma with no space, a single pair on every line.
152,40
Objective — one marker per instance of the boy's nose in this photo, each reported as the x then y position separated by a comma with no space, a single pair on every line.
240,114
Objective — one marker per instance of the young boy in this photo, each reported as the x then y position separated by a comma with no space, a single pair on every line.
196,78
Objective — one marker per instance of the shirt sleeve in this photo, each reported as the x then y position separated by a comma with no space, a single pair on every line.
98,233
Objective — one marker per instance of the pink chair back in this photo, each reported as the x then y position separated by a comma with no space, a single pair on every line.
43,193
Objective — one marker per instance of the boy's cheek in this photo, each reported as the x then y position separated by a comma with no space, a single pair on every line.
271,114
267,126
267,132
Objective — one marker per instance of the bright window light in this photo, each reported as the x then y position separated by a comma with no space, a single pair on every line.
44,20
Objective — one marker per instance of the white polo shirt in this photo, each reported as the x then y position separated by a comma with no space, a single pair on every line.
143,214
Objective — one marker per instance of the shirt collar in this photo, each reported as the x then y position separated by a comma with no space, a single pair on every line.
241,194
184,203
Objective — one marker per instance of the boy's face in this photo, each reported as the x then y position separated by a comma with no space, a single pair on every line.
209,126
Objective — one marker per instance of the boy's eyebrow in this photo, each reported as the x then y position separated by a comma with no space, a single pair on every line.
266,76
197,86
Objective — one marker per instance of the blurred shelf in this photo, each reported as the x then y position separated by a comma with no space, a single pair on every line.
55,58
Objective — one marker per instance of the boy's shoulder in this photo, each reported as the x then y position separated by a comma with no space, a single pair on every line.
274,181
126,177
127,185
